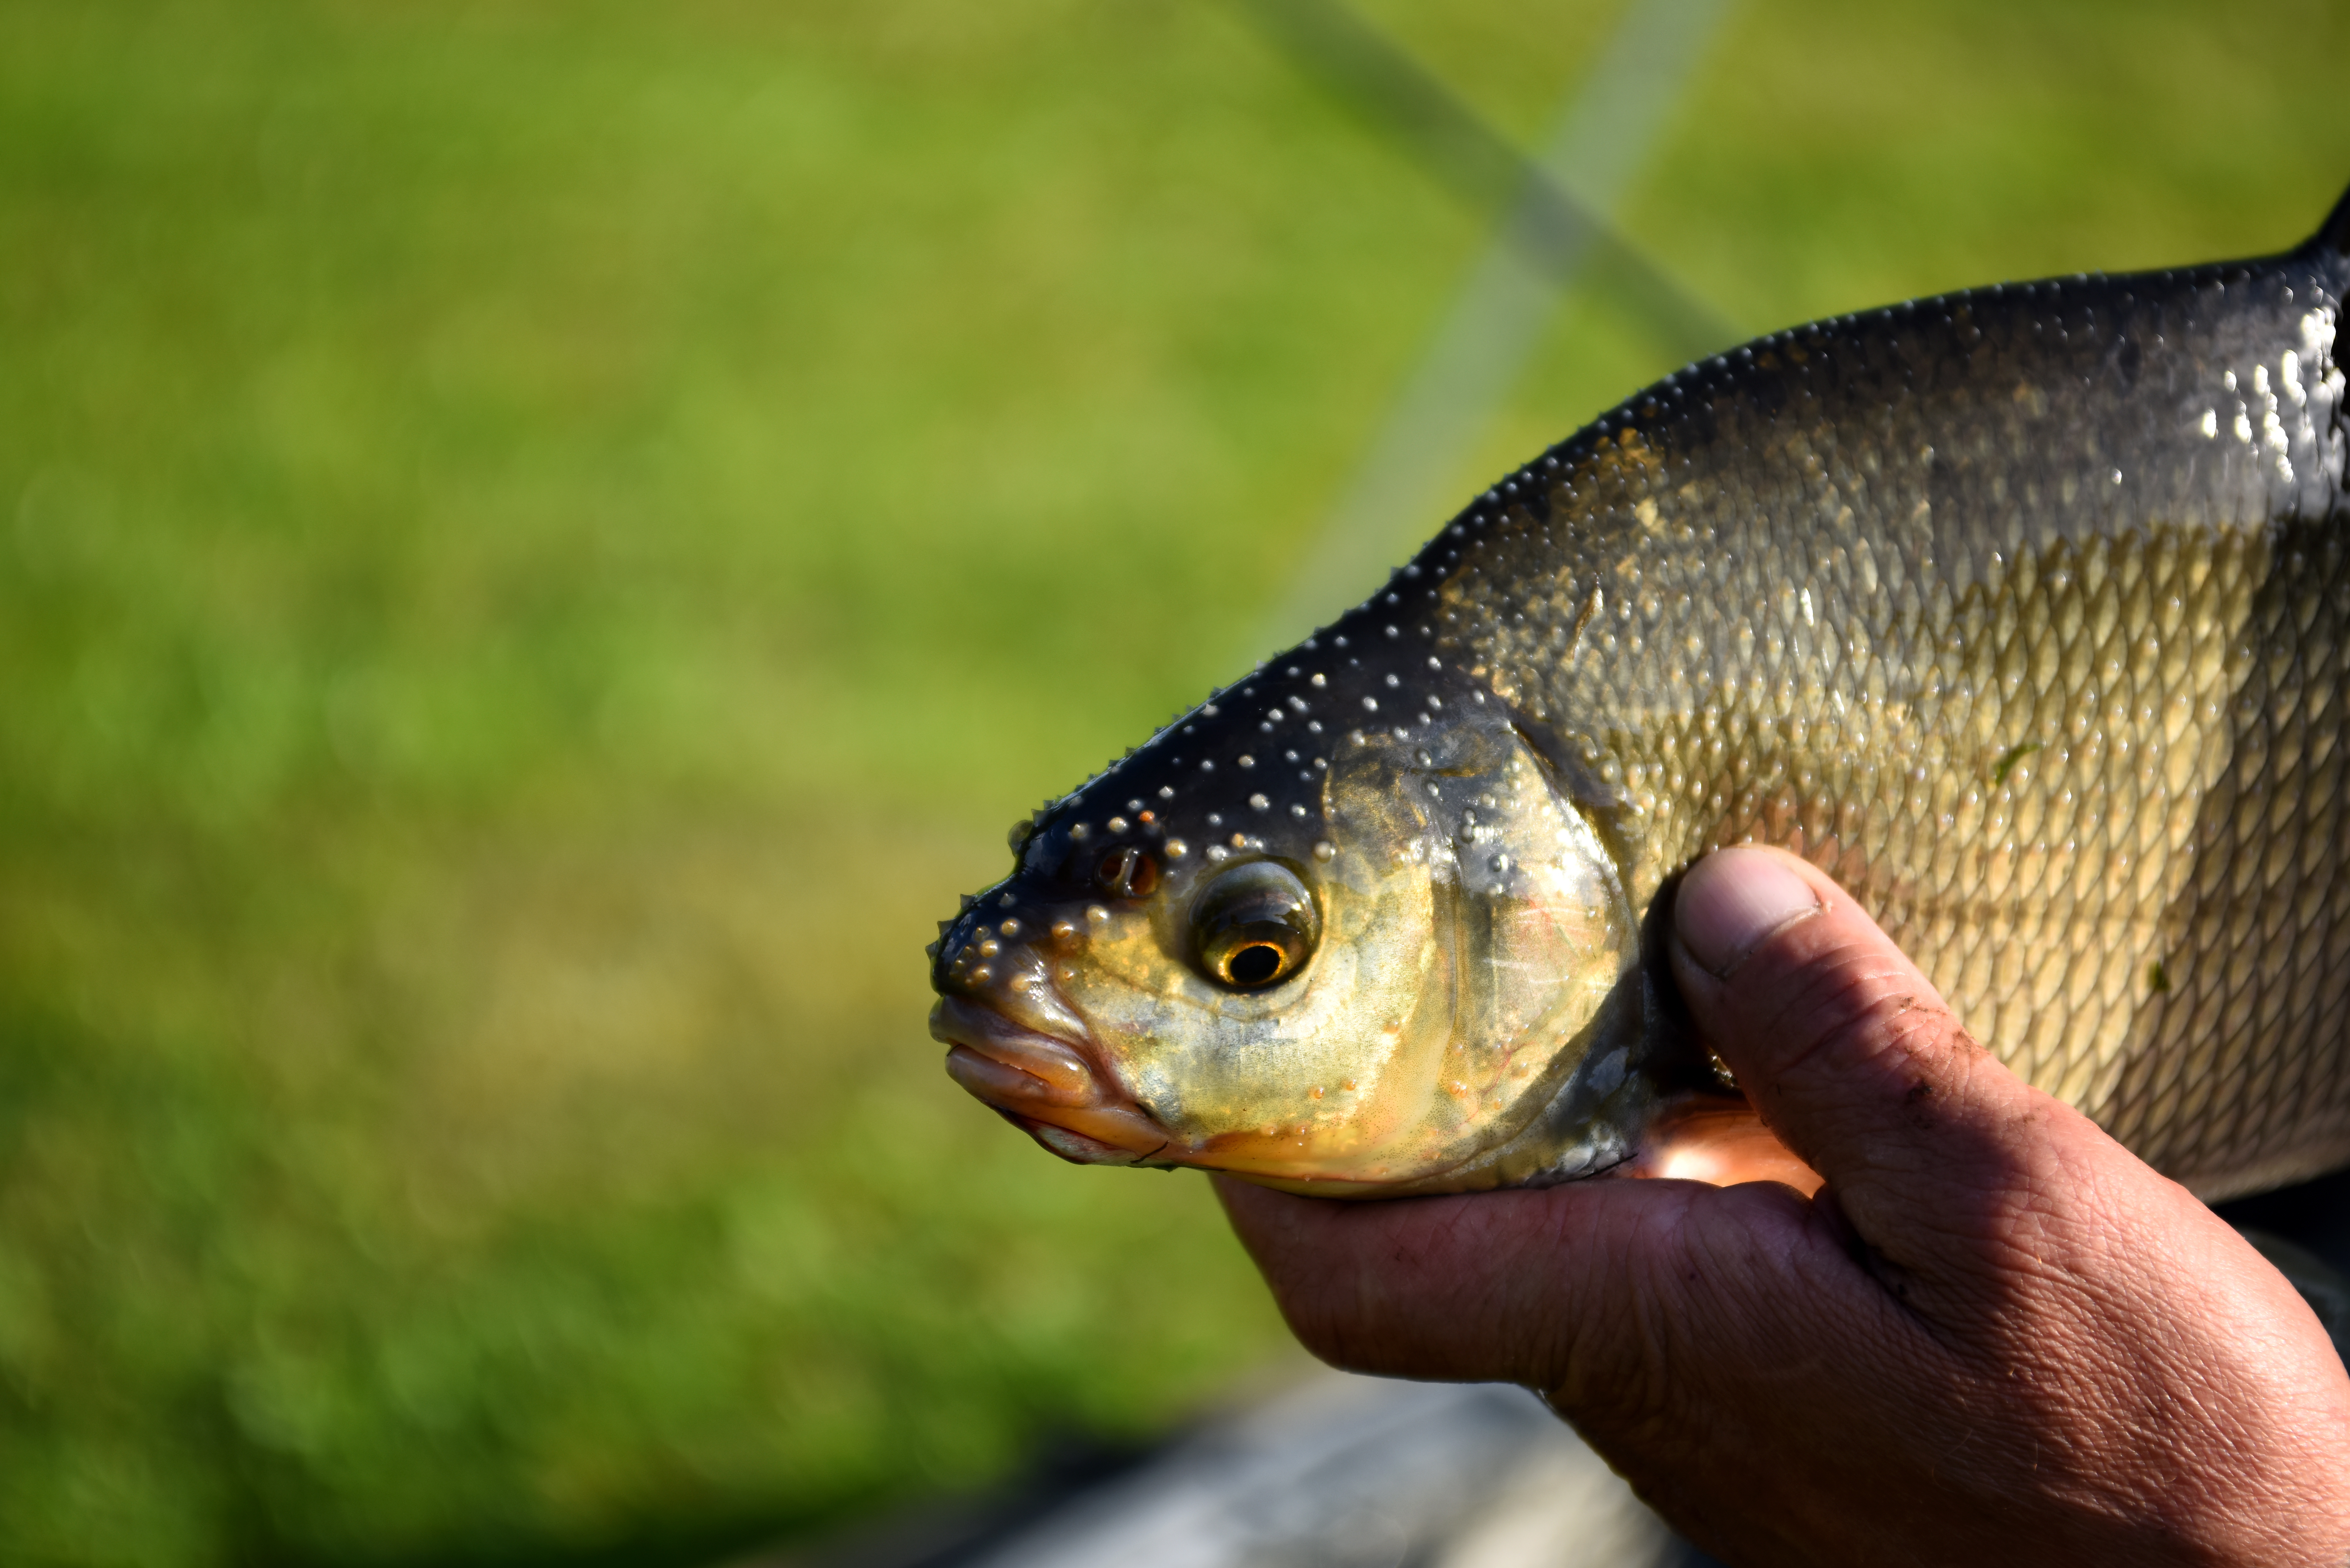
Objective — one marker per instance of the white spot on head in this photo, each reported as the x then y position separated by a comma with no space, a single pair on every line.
1370,704
2210,425
1116,825
1166,792
1078,832
1324,850
1258,802
1248,762
1218,852
1321,680
2317,333
1177,850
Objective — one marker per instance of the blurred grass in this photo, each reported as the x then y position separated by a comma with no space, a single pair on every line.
541,544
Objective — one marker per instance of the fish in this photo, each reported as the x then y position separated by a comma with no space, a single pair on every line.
2024,611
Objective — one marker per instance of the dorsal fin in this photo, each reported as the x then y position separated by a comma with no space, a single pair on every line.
2334,234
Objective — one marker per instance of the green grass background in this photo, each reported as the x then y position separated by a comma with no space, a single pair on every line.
542,544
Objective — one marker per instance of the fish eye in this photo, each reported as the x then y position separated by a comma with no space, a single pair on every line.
1126,872
1254,926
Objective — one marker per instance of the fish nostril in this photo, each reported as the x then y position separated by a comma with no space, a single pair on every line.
1127,872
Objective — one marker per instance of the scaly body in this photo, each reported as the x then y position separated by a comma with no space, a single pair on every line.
2024,611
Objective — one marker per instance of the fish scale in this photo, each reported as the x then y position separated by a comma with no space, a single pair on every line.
2020,611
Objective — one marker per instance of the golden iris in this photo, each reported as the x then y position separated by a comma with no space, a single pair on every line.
1254,926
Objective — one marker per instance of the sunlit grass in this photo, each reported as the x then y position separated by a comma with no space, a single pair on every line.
541,545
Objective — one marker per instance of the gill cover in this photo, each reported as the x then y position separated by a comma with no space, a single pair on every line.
1470,944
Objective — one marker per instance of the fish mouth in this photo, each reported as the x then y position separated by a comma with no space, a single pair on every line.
1047,1086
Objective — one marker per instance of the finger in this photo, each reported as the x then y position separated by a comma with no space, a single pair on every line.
1415,1288
1845,1048
1437,1287
1523,1286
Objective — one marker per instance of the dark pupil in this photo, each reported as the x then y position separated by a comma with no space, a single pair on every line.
1254,965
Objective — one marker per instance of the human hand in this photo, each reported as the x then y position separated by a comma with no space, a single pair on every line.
1994,1335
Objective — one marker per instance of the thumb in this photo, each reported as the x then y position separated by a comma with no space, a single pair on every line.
1846,1050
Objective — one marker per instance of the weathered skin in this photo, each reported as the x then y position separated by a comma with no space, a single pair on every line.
2024,611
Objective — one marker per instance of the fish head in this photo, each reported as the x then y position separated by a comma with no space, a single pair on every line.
1329,955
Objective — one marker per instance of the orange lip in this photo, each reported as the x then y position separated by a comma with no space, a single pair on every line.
1047,1085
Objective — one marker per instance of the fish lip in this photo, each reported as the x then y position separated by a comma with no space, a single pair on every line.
1047,1084
1059,1070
